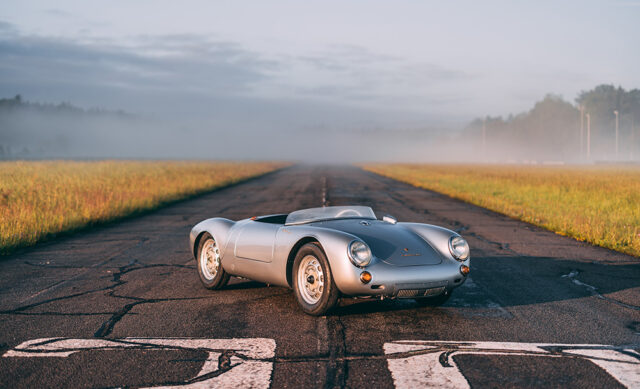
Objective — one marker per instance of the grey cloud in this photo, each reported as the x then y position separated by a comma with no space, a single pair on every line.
160,63
203,67
199,97
357,74
7,29
58,13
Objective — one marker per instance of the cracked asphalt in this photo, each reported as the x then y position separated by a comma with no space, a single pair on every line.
136,278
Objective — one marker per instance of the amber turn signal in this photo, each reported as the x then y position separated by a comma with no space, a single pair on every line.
365,277
464,270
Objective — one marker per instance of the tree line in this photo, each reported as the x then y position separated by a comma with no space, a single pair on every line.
17,103
37,130
555,129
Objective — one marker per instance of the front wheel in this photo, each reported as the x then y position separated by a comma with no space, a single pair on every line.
312,281
210,269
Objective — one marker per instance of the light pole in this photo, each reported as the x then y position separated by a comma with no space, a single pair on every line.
581,131
616,113
633,137
588,136
484,138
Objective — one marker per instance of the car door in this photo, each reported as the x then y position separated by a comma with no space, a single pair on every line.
256,241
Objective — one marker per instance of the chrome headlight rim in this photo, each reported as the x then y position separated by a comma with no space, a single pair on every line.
454,242
359,262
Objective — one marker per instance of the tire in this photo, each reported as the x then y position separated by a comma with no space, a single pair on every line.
434,301
317,297
212,276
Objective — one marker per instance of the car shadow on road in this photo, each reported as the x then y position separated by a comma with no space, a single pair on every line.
351,306
508,281
239,284
526,280
504,281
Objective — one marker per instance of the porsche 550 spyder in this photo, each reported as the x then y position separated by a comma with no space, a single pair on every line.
323,253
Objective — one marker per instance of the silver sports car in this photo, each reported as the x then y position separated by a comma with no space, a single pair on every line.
323,253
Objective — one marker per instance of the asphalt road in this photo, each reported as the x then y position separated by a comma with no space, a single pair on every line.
98,290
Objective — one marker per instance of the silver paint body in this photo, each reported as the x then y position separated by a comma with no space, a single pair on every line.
405,255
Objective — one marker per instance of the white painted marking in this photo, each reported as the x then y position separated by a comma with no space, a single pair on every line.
430,364
628,374
250,369
423,371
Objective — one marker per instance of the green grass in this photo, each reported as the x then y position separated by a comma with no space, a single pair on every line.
41,199
597,204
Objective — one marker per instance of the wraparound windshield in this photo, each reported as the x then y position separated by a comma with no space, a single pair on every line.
327,213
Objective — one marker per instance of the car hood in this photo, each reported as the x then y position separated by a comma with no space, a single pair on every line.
392,243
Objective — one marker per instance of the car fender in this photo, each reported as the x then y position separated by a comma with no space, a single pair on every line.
438,237
333,243
217,227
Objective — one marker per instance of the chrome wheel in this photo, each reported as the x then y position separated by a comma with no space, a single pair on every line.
310,279
210,259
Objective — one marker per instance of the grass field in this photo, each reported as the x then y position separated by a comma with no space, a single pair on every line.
40,199
597,204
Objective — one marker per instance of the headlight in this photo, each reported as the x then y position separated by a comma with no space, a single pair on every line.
359,253
459,248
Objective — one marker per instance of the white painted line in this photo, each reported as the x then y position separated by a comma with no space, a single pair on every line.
250,361
429,364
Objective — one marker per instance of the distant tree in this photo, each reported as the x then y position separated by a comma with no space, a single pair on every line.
600,103
549,130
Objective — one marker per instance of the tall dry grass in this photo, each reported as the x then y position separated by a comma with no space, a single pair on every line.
597,204
39,199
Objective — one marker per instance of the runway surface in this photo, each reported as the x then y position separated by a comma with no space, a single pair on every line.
122,305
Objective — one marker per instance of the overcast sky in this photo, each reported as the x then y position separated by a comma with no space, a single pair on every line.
316,63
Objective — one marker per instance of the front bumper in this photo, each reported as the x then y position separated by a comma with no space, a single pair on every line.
401,281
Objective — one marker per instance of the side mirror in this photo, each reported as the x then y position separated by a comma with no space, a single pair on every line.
389,219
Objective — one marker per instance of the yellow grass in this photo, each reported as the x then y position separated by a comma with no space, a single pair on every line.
597,204
38,199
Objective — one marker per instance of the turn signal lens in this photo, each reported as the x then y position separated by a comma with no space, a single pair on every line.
464,270
365,277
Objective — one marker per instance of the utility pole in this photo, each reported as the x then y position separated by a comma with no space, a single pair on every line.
616,113
633,137
581,131
588,136
484,139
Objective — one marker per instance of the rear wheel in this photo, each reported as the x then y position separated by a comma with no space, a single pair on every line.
434,301
312,280
210,268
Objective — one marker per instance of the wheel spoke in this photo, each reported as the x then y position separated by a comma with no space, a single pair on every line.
210,259
310,279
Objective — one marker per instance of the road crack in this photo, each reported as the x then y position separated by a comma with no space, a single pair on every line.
573,276
337,361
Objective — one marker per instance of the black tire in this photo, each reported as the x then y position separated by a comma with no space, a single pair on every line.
220,278
328,297
434,301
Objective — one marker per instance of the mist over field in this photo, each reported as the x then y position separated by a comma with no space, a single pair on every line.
325,82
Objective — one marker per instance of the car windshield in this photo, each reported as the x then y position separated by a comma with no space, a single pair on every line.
328,213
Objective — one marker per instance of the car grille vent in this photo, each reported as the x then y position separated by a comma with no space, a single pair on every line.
412,293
